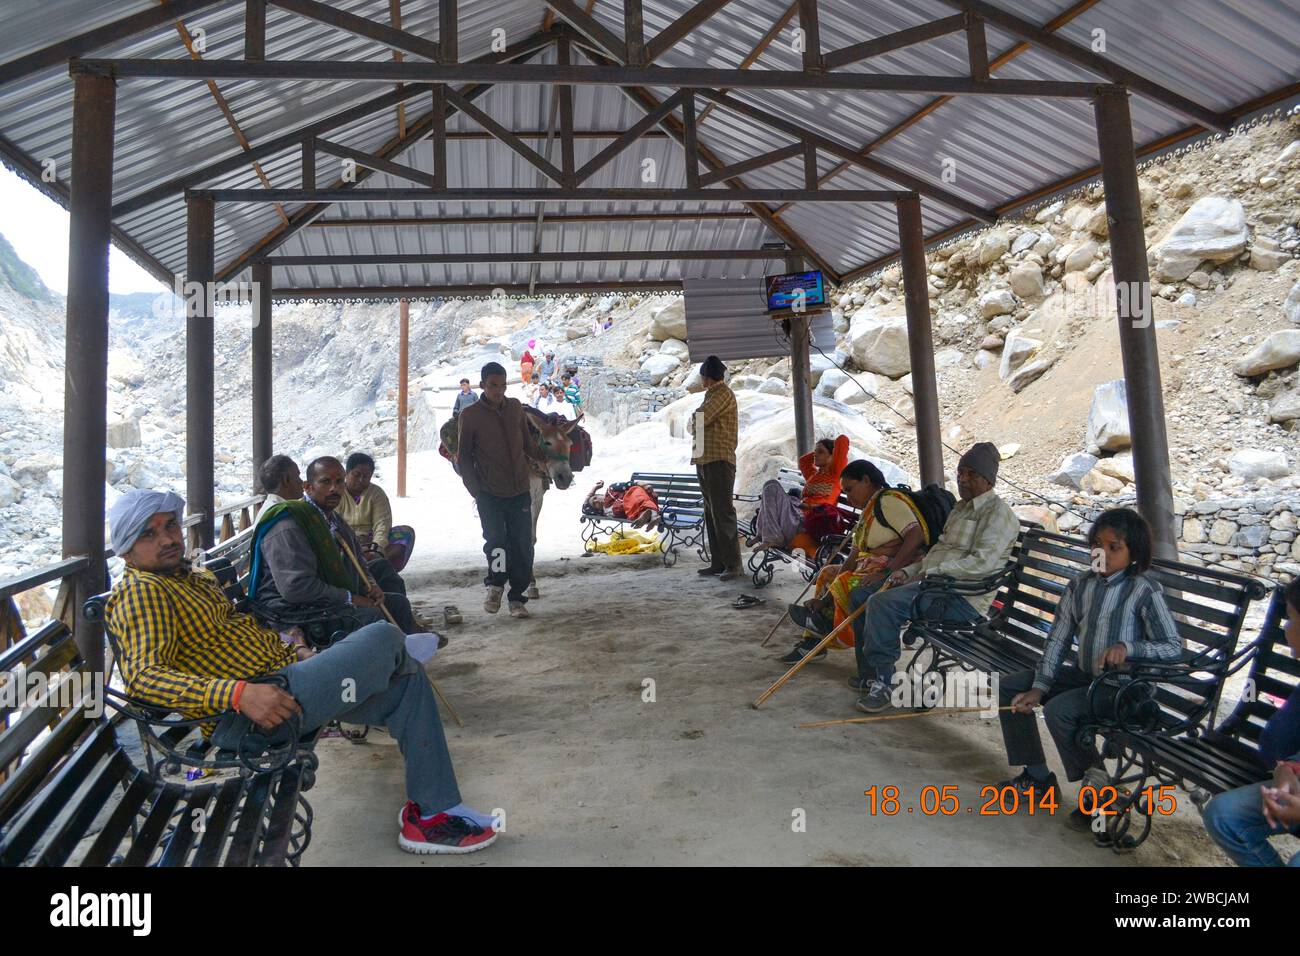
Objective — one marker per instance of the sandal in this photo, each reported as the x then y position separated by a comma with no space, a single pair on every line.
747,601
451,614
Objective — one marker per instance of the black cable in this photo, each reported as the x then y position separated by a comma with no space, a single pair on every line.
1023,490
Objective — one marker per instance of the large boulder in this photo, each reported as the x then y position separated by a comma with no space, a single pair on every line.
669,322
857,389
1213,230
1026,280
675,347
991,246
659,366
1291,307
878,343
818,365
1250,463
1080,256
1285,407
830,380
1070,472
997,302
1016,351
1279,350
124,434
1108,417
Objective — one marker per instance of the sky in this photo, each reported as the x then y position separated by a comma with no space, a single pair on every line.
37,228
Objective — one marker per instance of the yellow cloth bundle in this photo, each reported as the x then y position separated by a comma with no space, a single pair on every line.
627,542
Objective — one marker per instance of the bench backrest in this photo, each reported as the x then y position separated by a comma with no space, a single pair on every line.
677,493
1209,608
1274,676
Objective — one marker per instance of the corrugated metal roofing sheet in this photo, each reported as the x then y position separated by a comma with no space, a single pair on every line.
1223,55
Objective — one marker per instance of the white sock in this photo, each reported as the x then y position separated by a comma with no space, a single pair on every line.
469,813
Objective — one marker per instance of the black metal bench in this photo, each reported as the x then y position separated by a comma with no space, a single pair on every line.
1208,762
77,796
762,563
1167,700
681,511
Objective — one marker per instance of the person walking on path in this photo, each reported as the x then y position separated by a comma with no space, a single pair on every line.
495,448
715,429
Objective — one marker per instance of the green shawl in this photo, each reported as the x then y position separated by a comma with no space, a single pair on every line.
329,558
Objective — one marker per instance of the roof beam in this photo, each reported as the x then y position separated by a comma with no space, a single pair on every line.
530,74
377,163
56,54
749,165
523,220
629,136
878,46
389,36
525,194
759,48
504,135
455,291
589,26
468,258
1094,62
850,155
680,28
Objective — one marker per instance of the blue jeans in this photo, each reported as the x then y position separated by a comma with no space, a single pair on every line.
876,632
1235,821
368,678
508,542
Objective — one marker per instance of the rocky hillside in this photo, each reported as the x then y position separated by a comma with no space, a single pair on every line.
1027,356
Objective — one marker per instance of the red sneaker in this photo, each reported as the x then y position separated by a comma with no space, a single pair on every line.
442,834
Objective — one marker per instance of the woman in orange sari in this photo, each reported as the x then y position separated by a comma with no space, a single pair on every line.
786,522
886,537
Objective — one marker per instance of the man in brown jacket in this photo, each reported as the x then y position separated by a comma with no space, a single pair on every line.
494,450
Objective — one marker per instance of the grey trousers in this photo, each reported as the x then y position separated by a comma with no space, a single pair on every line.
718,483
1065,710
368,678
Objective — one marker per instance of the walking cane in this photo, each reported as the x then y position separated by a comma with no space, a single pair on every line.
822,645
782,619
920,713
365,578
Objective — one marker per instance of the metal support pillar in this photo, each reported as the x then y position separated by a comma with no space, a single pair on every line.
403,385
801,372
1137,333
85,383
263,372
200,470
920,345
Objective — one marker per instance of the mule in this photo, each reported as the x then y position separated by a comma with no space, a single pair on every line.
552,434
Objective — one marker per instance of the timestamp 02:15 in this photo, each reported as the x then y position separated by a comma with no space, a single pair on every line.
996,801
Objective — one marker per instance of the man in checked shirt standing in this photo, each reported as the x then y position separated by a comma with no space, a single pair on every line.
715,429
185,648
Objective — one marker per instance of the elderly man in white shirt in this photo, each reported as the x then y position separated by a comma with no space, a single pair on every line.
280,479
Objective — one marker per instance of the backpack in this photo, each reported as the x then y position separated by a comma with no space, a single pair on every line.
932,505
580,450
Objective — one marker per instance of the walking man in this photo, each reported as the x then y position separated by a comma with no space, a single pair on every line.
715,429
495,449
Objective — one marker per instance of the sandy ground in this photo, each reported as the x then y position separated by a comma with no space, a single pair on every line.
557,733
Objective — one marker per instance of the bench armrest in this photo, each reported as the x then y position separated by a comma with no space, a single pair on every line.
1135,709
943,588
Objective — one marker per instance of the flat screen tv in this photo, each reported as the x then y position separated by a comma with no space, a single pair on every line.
784,290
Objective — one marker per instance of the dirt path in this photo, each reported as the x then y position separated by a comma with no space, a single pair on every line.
558,735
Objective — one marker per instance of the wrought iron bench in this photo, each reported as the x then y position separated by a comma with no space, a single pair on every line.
762,563
1206,762
1173,700
77,796
681,510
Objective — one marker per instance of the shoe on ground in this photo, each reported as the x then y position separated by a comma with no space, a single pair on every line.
442,834
1081,822
802,650
519,609
492,603
861,683
810,621
710,571
1024,782
731,574
442,641
877,698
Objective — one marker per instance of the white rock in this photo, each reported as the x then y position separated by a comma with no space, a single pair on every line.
1266,255
1291,307
830,380
1251,463
1045,244
1026,280
1048,213
1120,466
1016,350
850,394
124,434
1072,469
1095,483
1029,372
10,491
879,342
1008,450
997,302
669,322
1212,230
1079,257
945,358
1280,350
1285,407
1108,417
818,365
984,359
659,366
774,386
675,347
991,246
694,382
1024,242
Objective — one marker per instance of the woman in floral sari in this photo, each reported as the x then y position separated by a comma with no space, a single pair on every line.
888,536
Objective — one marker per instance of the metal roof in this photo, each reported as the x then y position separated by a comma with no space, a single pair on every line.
1233,57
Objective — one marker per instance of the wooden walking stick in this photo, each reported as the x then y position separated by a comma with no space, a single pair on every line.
933,712
821,646
783,617
365,578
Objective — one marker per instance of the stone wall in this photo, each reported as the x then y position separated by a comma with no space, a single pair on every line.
622,398
1257,534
